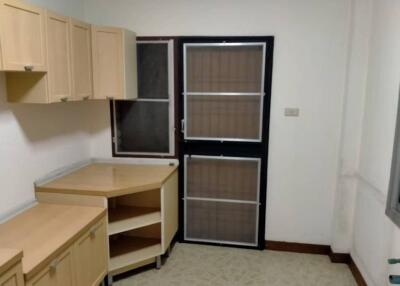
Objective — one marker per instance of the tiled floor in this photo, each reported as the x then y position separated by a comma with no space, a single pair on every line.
198,265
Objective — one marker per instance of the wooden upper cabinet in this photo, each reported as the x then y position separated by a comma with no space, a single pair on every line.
22,36
81,60
114,63
59,57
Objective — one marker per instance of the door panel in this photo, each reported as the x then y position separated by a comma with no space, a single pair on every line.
224,91
58,39
23,36
91,256
81,55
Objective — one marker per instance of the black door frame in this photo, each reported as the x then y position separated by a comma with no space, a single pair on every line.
234,149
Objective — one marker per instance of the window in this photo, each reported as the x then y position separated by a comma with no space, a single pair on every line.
393,200
146,126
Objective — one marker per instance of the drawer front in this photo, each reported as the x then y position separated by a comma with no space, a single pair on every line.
60,272
13,277
91,255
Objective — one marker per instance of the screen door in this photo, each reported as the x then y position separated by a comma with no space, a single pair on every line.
225,120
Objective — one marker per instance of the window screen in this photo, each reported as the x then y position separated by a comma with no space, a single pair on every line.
146,126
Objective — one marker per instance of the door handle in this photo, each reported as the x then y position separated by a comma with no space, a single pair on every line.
28,68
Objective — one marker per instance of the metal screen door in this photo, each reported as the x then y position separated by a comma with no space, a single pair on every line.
224,145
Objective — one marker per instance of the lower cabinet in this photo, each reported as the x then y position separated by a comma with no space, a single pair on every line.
13,276
91,256
60,272
84,263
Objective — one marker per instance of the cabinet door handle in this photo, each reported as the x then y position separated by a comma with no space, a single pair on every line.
64,99
28,68
93,230
53,265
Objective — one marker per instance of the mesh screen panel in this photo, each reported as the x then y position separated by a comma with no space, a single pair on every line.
223,116
221,221
224,69
152,61
222,179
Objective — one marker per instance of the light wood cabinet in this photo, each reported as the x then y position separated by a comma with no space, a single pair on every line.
59,57
91,256
13,276
81,60
60,272
22,36
114,63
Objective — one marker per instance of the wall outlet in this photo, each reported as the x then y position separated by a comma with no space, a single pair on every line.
292,112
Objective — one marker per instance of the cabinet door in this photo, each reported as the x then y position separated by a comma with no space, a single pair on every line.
81,59
91,256
23,39
45,278
108,75
59,63
60,272
13,277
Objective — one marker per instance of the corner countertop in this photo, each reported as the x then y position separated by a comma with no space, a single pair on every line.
110,180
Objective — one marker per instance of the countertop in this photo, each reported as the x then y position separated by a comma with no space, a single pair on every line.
110,180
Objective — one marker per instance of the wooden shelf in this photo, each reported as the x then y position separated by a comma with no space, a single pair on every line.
125,218
126,250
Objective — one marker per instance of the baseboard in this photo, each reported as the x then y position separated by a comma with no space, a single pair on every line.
357,273
339,257
297,247
321,250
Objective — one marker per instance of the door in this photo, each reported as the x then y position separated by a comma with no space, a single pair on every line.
23,39
81,60
91,256
108,75
225,127
60,272
59,57
13,276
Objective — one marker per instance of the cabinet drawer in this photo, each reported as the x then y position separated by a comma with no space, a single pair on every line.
91,255
60,272
13,276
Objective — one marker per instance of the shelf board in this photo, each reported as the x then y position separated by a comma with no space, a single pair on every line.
127,250
125,218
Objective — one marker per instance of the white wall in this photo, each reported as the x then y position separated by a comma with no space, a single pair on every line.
309,73
376,238
35,140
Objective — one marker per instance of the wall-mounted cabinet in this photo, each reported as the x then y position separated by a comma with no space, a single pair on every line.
114,63
52,58
59,57
22,36
56,84
69,58
81,48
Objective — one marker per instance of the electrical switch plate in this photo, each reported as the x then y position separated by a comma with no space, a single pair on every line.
293,112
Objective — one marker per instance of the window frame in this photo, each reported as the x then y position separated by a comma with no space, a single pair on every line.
393,198
172,109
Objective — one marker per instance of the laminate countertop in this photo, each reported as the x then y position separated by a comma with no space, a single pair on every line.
110,180
44,230
9,257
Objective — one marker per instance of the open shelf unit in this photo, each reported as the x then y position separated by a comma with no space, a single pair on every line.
129,250
125,218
